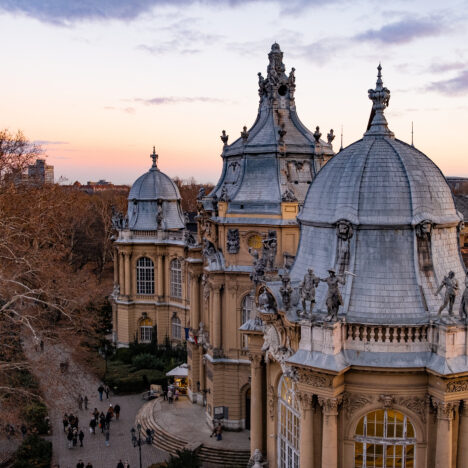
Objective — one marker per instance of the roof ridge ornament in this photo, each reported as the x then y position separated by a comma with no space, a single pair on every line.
224,137
380,97
154,157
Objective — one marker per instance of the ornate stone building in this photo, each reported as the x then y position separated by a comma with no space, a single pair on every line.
360,351
248,219
150,275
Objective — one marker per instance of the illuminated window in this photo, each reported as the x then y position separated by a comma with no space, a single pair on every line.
176,328
145,276
288,425
247,306
384,438
146,331
176,278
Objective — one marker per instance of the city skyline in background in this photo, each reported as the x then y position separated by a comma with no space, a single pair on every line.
100,83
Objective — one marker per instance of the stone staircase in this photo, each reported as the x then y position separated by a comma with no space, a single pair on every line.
164,440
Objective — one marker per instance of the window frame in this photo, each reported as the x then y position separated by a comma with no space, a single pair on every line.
176,278
145,276
176,327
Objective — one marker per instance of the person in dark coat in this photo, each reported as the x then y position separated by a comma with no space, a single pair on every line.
120,464
81,437
80,464
117,411
102,422
100,390
92,425
89,465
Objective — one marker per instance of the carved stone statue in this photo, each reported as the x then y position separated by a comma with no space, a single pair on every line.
159,216
224,194
330,136
424,229
258,272
119,221
281,132
307,291
261,84
270,245
292,80
344,232
257,459
464,301
288,196
224,137
189,239
317,134
451,291
286,290
264,300
201,193
244,134
208,248
334,299
232,244
116,290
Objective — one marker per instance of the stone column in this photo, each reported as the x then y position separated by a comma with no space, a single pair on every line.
121,273
256,406
160,273
202,374
116,267
194,302
128,283
462,459
306,445
330,432
444,434
216,311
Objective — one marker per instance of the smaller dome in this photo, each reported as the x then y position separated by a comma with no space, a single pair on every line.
154,202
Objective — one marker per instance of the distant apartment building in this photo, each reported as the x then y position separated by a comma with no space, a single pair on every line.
100,186
40,172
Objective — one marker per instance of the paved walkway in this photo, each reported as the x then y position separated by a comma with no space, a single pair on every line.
188,422
61,392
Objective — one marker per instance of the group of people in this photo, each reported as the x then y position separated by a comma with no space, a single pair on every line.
170,394
72,430
103,389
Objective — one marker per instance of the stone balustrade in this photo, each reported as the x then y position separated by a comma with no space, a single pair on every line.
386,334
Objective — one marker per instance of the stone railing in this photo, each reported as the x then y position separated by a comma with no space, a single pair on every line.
386,333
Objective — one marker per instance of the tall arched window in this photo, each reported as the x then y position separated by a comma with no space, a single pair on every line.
146,331
145,276
384,438
176,328
176,278
246,308
288,425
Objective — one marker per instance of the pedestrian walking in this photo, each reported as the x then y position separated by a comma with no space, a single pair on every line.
107,390
80,402
100,390
117,411
70,438
65,422
92,426
95,413
169,396
107,434
219,431
75,437
42,346
23,430
126,464
120,464
80,464
89,465
81,437
165,393
86,402
102,422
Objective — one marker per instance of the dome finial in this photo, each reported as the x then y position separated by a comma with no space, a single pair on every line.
154,157
380,97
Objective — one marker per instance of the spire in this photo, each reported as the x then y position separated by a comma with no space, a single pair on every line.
380,97
154,157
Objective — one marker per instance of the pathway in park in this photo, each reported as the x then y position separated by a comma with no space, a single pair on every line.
61,391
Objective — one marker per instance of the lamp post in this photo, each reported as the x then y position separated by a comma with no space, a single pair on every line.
137,441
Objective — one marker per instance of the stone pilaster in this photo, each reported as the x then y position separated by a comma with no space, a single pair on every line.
194,302
444,433
306,445
127,275
330,431
160,276
256,407
216,311
121,273
462,459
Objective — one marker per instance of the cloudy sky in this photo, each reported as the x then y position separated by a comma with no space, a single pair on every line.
99,82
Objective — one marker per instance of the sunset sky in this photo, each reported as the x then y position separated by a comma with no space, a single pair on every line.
99,82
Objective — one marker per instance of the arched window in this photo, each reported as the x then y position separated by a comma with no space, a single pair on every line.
246,308
146,331
145,276
288,425
176,278
385,438
176,328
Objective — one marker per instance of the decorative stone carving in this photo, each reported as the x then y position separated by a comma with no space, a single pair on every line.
116,291
288,196
266,302
344,232
281,132
354,401
255,359
292,82
159,216
201,193
119,221
315,379
258,272
189,239
206,288
464,301
257,460
445,409
451,290
224,197
424,229
202,335
232,244
208,248
286,290
244,134
387,400
307,401
317,134
330,405
270,245
272,399
224,137
307,292
330,136
415,404
334,299
273,350
457,386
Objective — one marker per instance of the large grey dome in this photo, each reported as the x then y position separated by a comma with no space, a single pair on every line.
383,211
154,202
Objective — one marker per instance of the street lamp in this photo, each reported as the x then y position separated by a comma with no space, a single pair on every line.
137,441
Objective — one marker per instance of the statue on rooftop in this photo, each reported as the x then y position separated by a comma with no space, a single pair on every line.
451,291
201,193
464,301
286,289
307,291
269,248
334,298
